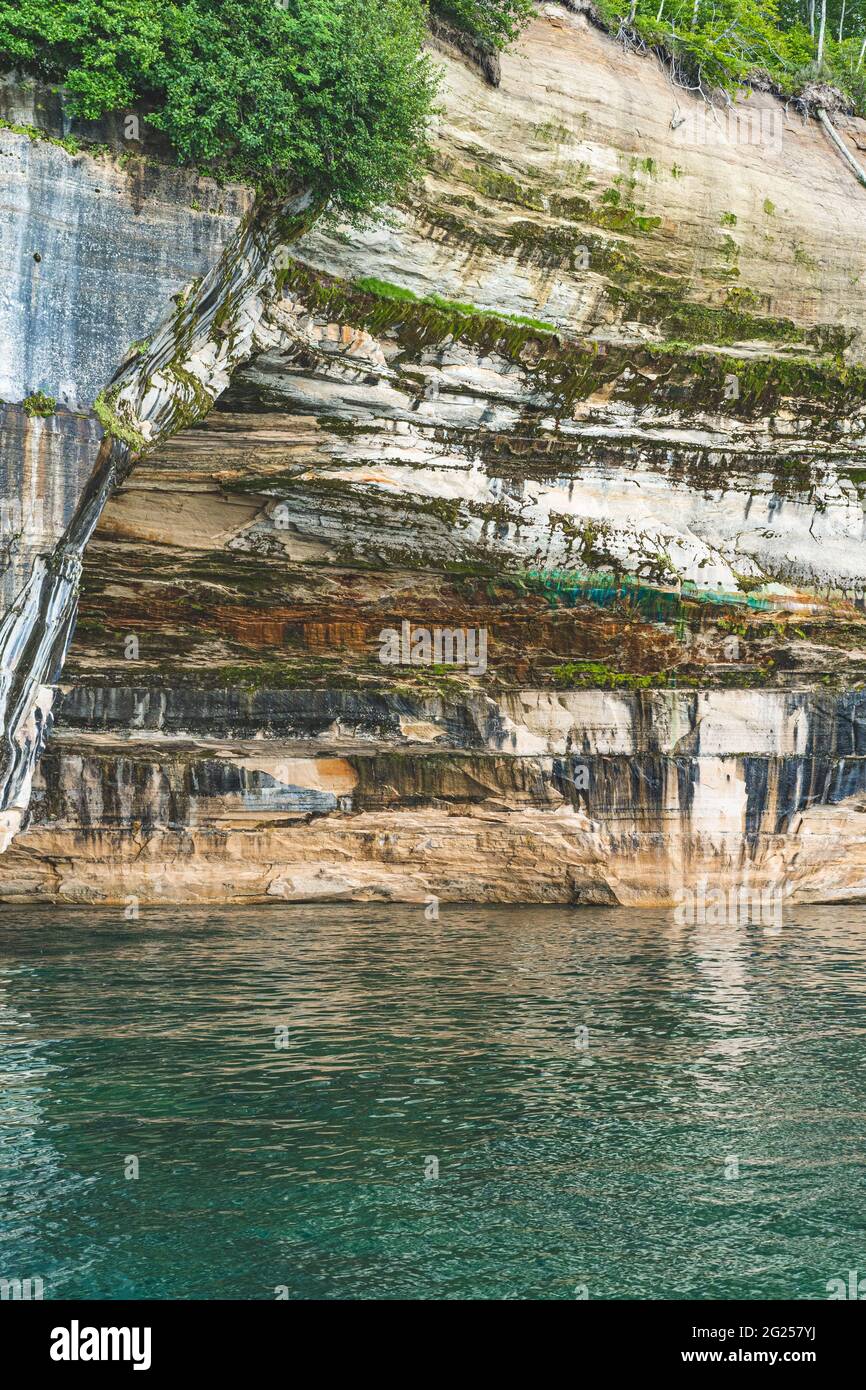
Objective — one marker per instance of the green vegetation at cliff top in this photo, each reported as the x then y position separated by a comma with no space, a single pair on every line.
496,22
728,44
329,94
336,94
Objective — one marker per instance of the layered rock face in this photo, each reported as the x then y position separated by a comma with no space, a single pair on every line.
527,564
584,797
95,244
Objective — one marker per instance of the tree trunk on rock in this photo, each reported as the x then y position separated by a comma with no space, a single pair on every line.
821,30
856,169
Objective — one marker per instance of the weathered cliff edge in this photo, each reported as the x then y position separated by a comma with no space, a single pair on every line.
95,245
652,483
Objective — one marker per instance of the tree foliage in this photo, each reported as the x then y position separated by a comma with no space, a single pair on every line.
495,21
725,44
334,94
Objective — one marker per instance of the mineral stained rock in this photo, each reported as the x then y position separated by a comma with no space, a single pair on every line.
598,394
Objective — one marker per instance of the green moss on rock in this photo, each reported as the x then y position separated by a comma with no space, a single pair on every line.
38,404
116,423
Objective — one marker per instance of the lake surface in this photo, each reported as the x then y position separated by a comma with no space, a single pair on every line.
618,1107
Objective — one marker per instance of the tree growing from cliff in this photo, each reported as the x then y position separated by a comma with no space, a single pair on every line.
497,22
331,95
317,103
722,45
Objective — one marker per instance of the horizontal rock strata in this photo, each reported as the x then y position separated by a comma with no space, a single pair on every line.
599,394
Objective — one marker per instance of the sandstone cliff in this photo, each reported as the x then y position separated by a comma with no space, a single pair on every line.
598,393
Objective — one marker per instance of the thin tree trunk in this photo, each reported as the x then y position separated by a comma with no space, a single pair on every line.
858,172
821,32
841,20
659,15
862,51
173,383
812,18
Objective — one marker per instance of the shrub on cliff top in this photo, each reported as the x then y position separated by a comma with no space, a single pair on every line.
329,93
495,21
724,45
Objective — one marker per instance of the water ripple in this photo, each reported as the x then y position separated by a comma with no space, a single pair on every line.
355,1102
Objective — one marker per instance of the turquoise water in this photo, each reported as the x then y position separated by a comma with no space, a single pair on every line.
562,1167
